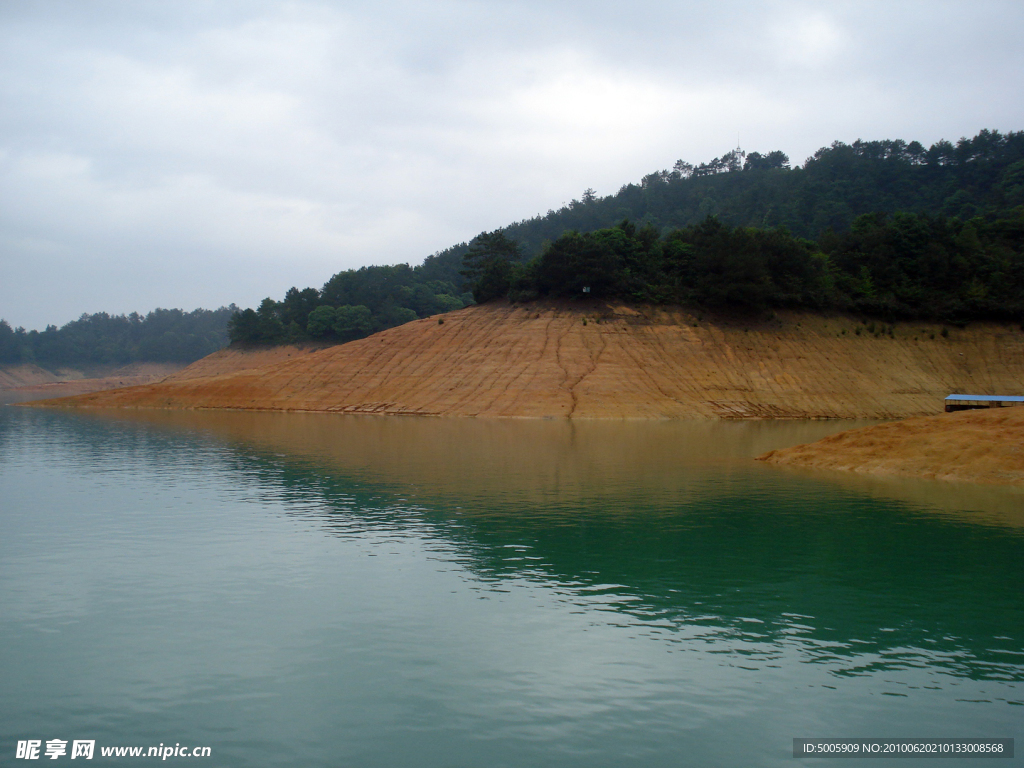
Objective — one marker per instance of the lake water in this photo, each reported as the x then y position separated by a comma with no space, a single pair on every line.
317,590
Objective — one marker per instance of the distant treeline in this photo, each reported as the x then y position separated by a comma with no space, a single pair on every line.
352,304
888,228
164,335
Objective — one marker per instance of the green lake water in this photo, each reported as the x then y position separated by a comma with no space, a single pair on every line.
318,590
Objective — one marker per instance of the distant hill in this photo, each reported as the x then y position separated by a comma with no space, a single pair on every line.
161,336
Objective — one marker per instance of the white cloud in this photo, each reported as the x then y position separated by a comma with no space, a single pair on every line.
198,154
812,40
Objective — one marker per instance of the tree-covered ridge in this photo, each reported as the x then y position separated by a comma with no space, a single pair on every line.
981,176
163,335
896,267
941,187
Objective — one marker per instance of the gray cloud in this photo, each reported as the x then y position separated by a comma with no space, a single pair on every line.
194,153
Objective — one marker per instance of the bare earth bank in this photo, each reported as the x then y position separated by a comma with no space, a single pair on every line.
603,361
31,382
20,383
984,446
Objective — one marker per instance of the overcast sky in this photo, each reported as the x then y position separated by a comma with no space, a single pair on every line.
201,152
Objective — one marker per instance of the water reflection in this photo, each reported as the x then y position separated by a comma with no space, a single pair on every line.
667,525
504,461
323,590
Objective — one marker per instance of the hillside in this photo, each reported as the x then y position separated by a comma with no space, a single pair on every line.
897,231
234,359
611,361
983,446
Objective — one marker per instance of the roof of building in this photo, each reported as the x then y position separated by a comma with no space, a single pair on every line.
989,398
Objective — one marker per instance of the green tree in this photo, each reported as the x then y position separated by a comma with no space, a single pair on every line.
298,304
352,322
487,265
321,321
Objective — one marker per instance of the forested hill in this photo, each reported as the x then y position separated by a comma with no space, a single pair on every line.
887,228
162,336
981,178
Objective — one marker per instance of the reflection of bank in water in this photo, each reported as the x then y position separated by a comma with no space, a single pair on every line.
326,573
670,524
517,462
520,460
